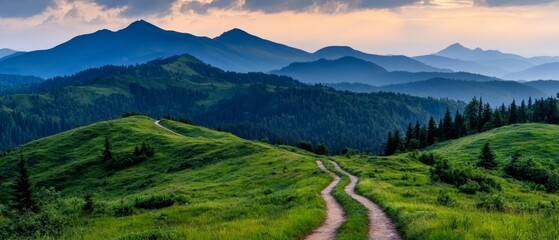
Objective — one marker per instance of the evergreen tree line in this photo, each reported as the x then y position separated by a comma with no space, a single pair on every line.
477,117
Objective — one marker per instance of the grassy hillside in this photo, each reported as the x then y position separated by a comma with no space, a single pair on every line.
538,141
222,187
425,209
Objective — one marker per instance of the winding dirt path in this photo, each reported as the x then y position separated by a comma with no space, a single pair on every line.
380,226
335,215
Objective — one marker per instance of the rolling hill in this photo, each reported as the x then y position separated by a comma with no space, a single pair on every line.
529,140
548,71
6,52
493,92
425,208
460,65
390,63
252,105
201,185
350,69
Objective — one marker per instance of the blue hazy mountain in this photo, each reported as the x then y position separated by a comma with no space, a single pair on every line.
390,63
489,58
141,41
548,71
6,52
354,70
235,50
493,92
460,65
549,87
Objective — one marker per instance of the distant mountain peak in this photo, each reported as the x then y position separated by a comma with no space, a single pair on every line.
235,35
141,25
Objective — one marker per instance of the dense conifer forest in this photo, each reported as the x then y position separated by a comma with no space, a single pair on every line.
257,106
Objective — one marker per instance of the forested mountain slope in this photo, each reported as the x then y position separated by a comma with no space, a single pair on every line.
253,105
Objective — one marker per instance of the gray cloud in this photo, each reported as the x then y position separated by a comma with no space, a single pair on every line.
136,8
297,5
23,8
502,3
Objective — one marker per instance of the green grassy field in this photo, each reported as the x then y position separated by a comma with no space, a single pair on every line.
229,188
427,210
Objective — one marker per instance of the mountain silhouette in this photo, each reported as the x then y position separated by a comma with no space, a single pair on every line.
355,70
390,63
141,41
548,71
6,52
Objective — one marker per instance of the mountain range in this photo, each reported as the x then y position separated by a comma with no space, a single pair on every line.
493,63
234,50
354,70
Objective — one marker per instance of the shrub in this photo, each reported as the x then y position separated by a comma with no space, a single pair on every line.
445,199
426,158
124,161
88,205
470,187
493,202
150,235
123,209
464,177
154,202
526,170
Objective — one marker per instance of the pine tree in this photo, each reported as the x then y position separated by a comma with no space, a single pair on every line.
470,115
137,151
487,158
398,144
23,195
448,132
417,131
107,151
459,126
522,113
409,135
431,131
513,117
389,148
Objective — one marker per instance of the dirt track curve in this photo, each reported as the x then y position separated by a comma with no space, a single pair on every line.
335,215
380,226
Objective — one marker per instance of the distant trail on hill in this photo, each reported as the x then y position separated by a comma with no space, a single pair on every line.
335,215
380,226
157,123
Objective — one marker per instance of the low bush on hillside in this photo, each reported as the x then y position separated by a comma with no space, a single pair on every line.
157,201
492,202
466,179
51,218
141,154
150,235
123,209
532,171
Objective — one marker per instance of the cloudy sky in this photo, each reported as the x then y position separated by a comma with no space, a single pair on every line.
412,27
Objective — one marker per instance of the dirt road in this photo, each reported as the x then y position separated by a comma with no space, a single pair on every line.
335,215
380,226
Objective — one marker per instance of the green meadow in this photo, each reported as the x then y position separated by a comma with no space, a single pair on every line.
203,185
427,209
